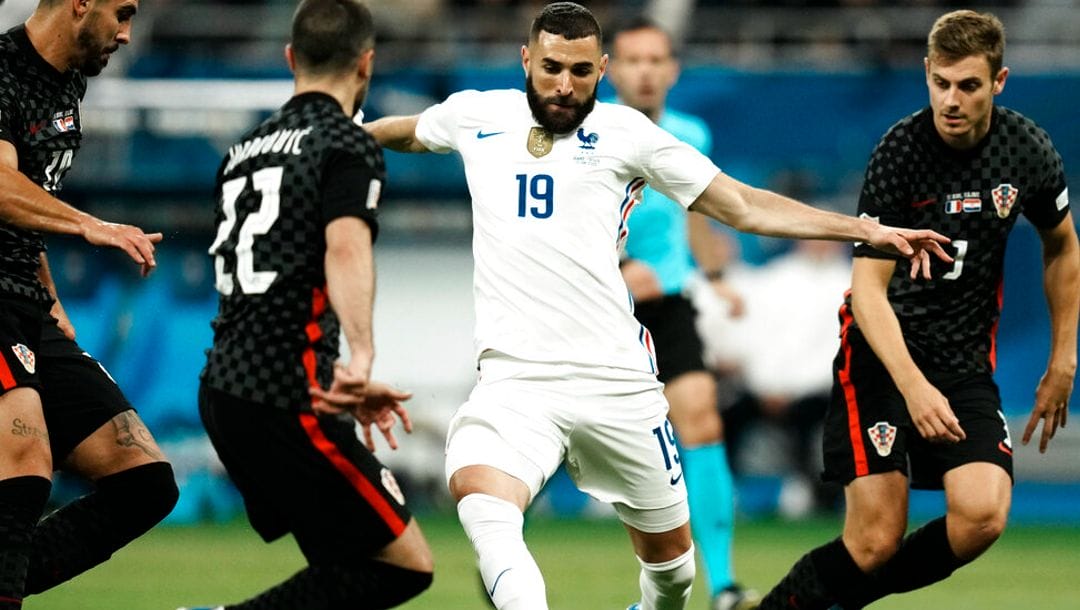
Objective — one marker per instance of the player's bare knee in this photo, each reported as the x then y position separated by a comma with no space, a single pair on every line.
660,547
696,423
410,550
489,481
25,448
27,459
871,548
421,559
978,528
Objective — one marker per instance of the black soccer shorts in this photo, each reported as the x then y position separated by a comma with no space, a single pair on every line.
868,429
306,474
77,394
670,320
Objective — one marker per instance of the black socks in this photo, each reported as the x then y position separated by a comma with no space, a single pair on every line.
366,585
21,501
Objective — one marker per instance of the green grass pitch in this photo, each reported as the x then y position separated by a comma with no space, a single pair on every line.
588,565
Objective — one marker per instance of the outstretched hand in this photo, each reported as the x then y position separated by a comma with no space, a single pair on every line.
131,239
383,402
370,402
1051,407
915,244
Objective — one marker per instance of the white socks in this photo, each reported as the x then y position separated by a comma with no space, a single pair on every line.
666,586
510,573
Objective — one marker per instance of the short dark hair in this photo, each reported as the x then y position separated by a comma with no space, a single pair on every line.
964,33
329,35
641,22
567,19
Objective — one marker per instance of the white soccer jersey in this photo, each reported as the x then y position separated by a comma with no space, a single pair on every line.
549,218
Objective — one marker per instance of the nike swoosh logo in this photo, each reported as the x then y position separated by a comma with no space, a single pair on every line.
480,135
924,202
491,593
675,480
1003,448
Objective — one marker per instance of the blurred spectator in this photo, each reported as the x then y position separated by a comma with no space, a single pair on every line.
778,357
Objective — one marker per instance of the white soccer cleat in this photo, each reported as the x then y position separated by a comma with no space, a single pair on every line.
735,598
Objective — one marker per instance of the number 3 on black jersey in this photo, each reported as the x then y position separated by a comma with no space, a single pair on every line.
267,182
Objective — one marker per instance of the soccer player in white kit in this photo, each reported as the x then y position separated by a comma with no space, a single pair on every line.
566,371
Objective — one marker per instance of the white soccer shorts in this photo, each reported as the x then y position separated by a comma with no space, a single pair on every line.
610,425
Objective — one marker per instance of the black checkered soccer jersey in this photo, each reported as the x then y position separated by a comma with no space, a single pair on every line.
277,189
39,115
973,197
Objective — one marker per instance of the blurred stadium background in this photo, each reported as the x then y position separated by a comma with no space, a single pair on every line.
796,92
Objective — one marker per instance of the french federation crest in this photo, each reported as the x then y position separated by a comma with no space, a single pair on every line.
1004,197
540,142
390,483
882,435
25,356
588,141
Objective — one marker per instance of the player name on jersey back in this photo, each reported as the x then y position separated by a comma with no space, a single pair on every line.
285,141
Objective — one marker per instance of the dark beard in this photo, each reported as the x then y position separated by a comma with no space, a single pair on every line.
92,63
557,124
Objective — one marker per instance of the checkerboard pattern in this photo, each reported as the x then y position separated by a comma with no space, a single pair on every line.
915,180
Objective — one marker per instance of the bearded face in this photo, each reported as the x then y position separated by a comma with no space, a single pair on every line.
105,26
93,52
561,76
558,114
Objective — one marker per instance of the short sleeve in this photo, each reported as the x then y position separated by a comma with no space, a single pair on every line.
437,126
351,187
1048,205
883,192
672,167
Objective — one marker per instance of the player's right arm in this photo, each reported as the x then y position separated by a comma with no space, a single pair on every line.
754,210
929,409
26,205
396,133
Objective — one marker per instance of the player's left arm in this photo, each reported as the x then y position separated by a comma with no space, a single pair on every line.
1061,282
350,281
764,212
45,276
